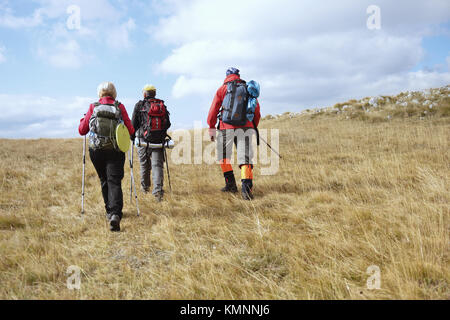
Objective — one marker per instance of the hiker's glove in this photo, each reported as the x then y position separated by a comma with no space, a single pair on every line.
132,137
212,134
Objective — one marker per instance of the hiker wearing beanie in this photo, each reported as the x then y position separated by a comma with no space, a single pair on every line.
100,122
151,121
230,106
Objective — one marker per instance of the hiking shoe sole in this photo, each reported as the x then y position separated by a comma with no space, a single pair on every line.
225,189
247,195
114,224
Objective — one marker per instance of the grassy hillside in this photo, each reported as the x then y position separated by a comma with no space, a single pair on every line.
421,105
355,188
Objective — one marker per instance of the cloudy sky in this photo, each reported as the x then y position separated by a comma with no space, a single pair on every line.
308,53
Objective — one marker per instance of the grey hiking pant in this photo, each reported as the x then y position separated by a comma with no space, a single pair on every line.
242,138
151,160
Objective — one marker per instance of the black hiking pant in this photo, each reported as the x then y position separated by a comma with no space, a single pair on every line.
109,166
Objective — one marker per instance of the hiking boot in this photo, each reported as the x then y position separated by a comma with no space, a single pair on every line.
247,186
144,190
230,183
114,223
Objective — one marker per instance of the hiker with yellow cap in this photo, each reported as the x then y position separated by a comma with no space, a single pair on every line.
151,121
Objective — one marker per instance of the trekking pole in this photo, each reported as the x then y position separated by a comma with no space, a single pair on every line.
82,182
132,186
270,147
131,175
167,165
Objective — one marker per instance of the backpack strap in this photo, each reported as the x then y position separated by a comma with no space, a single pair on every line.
117,105
219,114
147,102
95,104
234,85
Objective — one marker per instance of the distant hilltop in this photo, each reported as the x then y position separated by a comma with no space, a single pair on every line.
421,104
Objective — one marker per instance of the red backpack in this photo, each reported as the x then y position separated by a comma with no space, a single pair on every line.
155,120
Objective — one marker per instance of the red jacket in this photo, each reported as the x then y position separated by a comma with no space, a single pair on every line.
83,129
217,103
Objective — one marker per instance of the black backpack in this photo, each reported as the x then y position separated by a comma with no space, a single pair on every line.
234,106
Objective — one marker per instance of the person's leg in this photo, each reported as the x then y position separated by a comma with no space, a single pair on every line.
158,173
98,160
145,166
247,181
225,140
245,159
115,173
228,174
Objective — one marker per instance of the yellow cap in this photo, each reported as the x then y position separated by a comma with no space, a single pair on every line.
149,87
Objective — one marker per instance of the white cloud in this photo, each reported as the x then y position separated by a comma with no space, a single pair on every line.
47,116
2,54
119,36
90,10
9,20
263,19
101,24
64,55
186,86
25,116
301,52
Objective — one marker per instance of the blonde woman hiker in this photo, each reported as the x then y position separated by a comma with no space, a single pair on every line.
100,120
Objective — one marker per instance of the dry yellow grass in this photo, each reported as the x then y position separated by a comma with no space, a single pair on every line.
349,194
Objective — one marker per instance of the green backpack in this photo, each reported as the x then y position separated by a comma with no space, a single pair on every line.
102,125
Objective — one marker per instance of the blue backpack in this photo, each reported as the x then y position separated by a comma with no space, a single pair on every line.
253,92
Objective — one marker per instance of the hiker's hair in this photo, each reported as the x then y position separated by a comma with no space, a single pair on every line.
107,89
150,94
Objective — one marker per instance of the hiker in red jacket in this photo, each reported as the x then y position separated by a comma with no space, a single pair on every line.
100,122
228,133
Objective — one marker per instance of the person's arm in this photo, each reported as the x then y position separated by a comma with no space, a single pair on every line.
126,120
135,119
215,107
83,128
